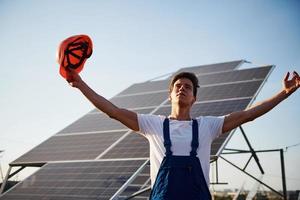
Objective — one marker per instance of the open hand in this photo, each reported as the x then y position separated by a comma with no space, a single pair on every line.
291,85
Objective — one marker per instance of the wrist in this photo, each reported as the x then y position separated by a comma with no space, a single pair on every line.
286,93
80,84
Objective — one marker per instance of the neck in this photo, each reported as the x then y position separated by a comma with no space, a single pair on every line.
180,113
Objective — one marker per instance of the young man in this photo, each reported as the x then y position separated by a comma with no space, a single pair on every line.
180,145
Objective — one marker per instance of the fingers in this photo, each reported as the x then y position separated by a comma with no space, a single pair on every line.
72,77
69,70
69,77
296,74
70,74
287,76
297,77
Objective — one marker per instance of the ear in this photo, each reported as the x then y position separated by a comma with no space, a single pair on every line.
194,100
169,97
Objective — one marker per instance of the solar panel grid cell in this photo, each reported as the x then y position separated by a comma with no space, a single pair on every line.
90,123
146,87
132,146
204,79
217,143
223,92
71,147
77,180
213,67
137,110
234,76
228,91
97,121
217,108
140,182
140,100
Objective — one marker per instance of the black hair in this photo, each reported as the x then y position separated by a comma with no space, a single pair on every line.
188,75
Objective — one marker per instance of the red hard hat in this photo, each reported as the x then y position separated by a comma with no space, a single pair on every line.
73,52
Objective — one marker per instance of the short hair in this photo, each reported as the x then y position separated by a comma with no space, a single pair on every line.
188,75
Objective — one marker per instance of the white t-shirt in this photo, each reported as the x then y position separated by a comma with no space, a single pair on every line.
151,126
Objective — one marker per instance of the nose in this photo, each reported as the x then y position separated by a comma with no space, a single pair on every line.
182,88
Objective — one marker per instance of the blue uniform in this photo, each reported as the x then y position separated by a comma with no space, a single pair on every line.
180,177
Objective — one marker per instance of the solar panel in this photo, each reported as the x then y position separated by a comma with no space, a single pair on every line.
142,181
140,100
97,121
148,86
217,108
228,91
204,80
234,76
235,90
92,123
133,146
96,139
75,180
70,147
211,68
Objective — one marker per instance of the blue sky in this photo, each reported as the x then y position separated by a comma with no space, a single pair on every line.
135,41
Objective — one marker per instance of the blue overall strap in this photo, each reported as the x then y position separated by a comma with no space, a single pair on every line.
167,141
195,140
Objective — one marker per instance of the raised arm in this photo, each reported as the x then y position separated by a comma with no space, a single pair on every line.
126,117
235,119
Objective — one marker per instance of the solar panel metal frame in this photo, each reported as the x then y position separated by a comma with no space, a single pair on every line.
156,107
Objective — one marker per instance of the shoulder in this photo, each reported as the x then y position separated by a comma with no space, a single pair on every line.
149,124
210,119
211,124
150,117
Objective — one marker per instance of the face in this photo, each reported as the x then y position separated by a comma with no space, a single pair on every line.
182,92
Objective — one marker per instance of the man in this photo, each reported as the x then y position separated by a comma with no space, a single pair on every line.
180,145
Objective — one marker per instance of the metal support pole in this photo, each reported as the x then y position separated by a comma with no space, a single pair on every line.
217,175
283,174
138,193
20,169
253,177
2,178
125,185
247,162
257,151
252,150
5,180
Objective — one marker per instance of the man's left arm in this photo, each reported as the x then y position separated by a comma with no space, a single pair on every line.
236,119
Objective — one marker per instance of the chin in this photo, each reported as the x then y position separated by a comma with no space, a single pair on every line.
184,104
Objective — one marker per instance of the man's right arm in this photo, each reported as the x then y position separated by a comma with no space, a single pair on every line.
126,117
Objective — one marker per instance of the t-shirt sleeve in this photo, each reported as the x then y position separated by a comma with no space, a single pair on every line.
215,125
149,124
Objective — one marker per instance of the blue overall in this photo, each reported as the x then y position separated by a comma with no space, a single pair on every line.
180,177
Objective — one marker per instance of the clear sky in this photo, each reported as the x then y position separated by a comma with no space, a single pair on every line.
137,40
